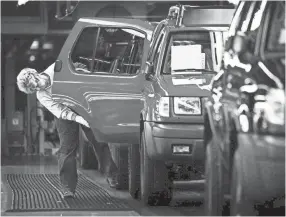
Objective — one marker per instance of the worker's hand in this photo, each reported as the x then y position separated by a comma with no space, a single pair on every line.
80,120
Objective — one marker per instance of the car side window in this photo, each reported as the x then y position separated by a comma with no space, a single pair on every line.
108,50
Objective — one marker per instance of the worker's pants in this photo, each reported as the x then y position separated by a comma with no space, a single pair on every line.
69,139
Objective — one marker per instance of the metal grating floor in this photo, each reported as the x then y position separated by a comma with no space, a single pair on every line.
39,192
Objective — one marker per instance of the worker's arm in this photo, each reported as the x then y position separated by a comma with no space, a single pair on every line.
59,110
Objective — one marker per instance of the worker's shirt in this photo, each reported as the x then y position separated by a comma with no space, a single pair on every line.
45,97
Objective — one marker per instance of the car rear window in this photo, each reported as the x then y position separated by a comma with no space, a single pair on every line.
108,50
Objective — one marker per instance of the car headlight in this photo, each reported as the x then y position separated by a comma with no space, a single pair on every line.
187,106
163,107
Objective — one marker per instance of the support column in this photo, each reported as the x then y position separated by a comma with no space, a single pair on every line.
10,82
32,123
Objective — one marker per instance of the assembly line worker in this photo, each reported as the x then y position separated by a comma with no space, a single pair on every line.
67,122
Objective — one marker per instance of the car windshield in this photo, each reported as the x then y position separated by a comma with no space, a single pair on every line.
276,33
188,52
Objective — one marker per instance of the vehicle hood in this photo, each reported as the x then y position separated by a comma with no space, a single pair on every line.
186,85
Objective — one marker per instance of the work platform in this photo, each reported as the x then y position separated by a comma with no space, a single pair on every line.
30,187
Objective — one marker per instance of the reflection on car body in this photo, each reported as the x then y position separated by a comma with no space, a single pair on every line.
245,117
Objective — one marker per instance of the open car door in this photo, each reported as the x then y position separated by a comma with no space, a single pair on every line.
99,74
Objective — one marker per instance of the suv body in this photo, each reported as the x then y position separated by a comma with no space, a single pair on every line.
171,122
245,117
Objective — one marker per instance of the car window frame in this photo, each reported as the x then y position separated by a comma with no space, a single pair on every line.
236,19
247,28
70,64
235,24
160,48
245,24
259,36
154,40
156,44
241,27
253,14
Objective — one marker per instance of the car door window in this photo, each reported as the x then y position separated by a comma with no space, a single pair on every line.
108,50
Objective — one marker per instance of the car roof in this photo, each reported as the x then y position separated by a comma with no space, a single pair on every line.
135,23
207,15
199,28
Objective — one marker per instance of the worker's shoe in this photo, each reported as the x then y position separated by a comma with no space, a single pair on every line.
67,194
112,181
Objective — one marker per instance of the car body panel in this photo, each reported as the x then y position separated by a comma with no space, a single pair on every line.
263,162
109,103
232,99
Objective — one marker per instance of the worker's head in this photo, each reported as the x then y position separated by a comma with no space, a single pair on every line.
30,81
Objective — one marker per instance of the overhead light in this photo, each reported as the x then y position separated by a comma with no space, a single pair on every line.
32,58
22,2
35,45
235,2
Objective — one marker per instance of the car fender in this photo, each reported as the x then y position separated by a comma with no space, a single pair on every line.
150,145
209,114
149,108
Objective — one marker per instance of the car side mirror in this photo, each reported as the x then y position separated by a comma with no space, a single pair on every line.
58,66
239,44
149,71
